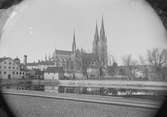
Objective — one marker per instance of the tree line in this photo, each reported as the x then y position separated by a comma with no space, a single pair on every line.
154,62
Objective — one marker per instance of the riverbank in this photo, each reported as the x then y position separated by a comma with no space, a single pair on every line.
124,101
44,104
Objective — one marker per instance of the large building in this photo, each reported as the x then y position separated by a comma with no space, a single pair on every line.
78,61
11,68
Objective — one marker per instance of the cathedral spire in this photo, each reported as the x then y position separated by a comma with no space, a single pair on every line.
96,40
74,43
46,57
96,37
102,23
102,30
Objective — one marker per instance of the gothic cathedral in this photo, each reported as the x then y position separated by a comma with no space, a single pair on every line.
77,60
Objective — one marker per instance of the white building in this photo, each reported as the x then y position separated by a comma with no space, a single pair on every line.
53,73
11,69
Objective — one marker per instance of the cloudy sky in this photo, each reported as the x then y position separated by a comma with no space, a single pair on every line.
37,27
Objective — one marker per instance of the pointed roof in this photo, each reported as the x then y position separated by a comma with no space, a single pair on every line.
102,23
96,37
63,52
74,38
74,43
102,31
96,28
54,70
45,56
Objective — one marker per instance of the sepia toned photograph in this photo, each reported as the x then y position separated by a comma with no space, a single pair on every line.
83,58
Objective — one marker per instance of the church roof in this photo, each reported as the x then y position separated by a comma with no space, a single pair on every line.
89,56
54,69
61,59
8,58
63,52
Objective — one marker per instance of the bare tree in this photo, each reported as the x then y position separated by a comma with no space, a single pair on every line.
130,65
142,60
128,61
145,70
158,59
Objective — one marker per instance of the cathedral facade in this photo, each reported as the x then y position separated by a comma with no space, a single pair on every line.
78,61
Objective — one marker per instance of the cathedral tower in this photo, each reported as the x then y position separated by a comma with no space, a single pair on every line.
100,45
103,57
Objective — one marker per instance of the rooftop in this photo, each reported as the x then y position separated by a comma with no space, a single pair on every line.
4,58
63,52
89,56
54,69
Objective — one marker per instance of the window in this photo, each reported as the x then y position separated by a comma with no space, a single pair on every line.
9,67
13,73
0,72
5,62
10,63
4,67
4,72
13,67
17,73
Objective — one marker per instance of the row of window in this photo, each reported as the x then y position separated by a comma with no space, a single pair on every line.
13,73
89,62
84,62
8,63
9,67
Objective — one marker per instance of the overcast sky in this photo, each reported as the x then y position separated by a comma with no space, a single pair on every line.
37,27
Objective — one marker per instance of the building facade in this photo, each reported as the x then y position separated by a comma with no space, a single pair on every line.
53,73
11,69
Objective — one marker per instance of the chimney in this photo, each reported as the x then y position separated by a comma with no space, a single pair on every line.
25,59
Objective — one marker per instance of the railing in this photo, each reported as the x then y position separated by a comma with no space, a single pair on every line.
147,85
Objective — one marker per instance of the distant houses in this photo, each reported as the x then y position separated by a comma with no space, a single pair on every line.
14,69
41,65
11,68
48,70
